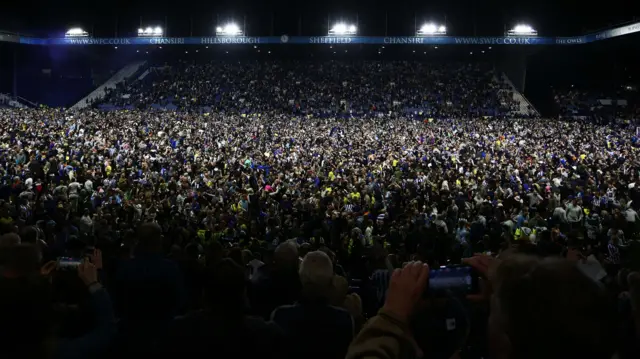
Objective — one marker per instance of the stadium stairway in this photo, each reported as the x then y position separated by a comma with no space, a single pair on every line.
144,74
15,102
526,108
99,93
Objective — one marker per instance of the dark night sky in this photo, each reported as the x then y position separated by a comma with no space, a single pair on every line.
464,17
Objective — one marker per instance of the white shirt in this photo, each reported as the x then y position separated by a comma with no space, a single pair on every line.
574,213
73,188
630,215
560,214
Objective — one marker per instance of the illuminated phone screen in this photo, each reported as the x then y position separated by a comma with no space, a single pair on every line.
456,279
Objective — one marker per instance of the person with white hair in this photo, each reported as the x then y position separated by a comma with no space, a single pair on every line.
276,283
316,329
316,276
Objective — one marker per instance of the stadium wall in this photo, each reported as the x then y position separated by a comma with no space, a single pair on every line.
56,76
513,63
603,66
6,69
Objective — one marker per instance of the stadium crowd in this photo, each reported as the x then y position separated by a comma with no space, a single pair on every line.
321,88
269,233
599,106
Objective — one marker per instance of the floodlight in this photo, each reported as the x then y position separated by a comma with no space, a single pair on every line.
76,32
151,31
522,30
340,29
431,29
230,29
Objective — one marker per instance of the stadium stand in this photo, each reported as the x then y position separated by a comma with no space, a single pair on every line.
321,88
600,106
119,77
310,205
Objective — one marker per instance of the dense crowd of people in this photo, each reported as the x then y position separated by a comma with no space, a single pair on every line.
321,88
599,106
268,232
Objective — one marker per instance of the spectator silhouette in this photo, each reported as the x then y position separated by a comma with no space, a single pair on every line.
315,328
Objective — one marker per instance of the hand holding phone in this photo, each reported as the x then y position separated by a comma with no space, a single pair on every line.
405,289
481,264
48,268
68,263
96,258
87,272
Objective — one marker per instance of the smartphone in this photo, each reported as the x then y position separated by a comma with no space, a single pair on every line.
453,279
68,263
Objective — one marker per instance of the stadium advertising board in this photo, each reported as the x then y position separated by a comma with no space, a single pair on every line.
618,31
577,40
373,40
226,40
9,38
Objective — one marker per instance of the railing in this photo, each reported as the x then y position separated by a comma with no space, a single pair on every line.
100,92
506,79
24,100
17,101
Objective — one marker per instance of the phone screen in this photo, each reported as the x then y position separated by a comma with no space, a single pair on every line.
456,279
68,263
